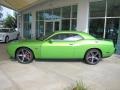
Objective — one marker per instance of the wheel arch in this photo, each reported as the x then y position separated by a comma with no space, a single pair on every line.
94,48
27,48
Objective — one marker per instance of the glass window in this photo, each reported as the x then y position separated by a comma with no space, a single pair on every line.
48,28
113,8
97,8
27,21
74,24
48,14
39,29
96,27
67,37
74,11
64,18
4,30
66,24
66,12
112,29
37,15
57,13
40,15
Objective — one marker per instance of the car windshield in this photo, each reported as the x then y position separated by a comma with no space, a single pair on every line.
4,30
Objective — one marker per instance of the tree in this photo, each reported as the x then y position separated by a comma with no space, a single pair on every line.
10,22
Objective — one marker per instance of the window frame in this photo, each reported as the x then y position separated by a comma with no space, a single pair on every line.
50,38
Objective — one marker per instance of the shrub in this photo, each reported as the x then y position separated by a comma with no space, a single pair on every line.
78,86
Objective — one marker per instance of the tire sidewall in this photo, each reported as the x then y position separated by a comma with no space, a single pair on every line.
87,56
6,39
30,61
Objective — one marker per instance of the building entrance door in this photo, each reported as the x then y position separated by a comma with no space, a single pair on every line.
51,26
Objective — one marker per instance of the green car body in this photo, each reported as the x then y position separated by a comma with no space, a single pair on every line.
63,49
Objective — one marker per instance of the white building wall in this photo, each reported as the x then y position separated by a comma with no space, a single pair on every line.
83,16
83,12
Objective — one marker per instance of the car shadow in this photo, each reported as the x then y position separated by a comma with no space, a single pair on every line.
59,60
2,43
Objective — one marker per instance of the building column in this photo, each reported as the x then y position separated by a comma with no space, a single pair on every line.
33,28
118,41
20,24
83,16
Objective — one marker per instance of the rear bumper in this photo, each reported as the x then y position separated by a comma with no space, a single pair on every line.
109,53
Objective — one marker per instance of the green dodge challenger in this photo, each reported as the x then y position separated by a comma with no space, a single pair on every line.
62,45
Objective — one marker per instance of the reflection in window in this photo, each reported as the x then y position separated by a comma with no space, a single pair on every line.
113,8
74,11
48,15
112,29
67,37
27,21
39,29
66,12
66,24
74,24
64,18
48,27
39,15
97,8
57,13
96,27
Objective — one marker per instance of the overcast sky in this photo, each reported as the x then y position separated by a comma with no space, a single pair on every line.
7,11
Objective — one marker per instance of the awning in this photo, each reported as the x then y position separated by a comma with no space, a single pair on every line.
19,5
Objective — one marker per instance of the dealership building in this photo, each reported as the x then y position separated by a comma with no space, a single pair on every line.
37,18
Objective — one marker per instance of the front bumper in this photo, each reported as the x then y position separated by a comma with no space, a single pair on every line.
2,40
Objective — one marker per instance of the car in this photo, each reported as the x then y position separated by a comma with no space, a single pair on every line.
7,34
62,45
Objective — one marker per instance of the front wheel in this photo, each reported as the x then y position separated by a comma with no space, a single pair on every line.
93,56
6,39
24,55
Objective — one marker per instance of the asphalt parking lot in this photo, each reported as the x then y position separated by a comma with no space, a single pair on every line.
58,75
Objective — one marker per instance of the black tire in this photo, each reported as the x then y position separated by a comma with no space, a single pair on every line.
93,57
24,55
6,39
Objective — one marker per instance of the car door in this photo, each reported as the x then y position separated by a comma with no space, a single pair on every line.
59,46
11,34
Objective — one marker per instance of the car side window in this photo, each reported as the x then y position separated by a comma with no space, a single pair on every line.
67,37
12,30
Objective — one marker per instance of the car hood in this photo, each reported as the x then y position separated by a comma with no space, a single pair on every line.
2,33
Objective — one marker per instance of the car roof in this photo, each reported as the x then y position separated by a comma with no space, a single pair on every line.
83,34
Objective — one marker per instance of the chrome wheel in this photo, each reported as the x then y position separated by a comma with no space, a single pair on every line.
93,56
24,55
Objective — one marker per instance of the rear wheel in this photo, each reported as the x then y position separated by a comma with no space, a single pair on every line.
93,56
6,39
24,55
